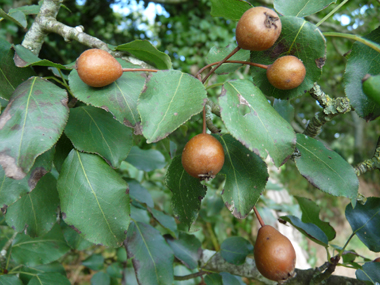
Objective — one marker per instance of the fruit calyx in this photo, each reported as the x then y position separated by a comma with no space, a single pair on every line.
270,21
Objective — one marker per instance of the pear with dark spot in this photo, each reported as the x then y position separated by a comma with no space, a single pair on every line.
274,254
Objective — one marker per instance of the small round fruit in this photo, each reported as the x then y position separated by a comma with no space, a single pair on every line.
377,259
258,29
98,68
203,156
274,254
286,72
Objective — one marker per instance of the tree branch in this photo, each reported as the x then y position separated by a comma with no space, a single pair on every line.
331,108
369,164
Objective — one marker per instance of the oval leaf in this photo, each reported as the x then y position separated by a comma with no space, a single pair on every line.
371,88
301,39
92,193
365,221
235,249
94,130
101,278
301,8
369,272
31,124
229,9
169,100
149,253
325,169
246,177
146,159
35,213
218,54
168,222
118,98
10,280
361,61
252,120
187,191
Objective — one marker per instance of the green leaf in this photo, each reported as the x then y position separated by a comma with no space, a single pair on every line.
246,176
94,130
41,250
118,98
10,75
369,272
371,88
31,124
92,193
365,221
252,120
73,238
24,57
49,278
218,54
310,230
301,39
361,61
310,214
94,262
11,190
186,249
36,213
235,249
101,278
285,109
301,8
325,169
115,269
139,193
187,192
16,17
139,214
149,253
229,9
166,221
144,50
214,279
28,9
62,150
170,99
10,280
146,160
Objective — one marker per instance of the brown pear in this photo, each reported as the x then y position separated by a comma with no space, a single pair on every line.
98,68
274,254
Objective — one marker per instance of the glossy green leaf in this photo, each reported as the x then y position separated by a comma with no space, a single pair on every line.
186,248
92,193
301,8
16,17
371,88
10,280
94,130
24,57
31,124
49,278
235,249
284,108
310,214
229,9
246,176
73,238
308,229
152,258
62,150
139,193
101,278
369,272
41,250
144,50
214,279
252,120
365,221
139,215
301,39
168,222
118,98
11,190
35,213
325,169
146,159
187,191
218,54
361,61
94,262
10,75
231,279
170,99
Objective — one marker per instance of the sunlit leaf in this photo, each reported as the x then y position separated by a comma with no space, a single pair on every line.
229,9
301,8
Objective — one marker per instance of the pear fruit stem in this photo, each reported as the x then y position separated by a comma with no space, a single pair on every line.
258,216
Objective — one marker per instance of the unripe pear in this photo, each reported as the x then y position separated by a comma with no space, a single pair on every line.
98,68
274,254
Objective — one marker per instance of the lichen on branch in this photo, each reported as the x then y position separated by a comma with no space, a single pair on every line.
369,164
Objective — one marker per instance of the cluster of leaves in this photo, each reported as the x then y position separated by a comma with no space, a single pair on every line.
77,160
